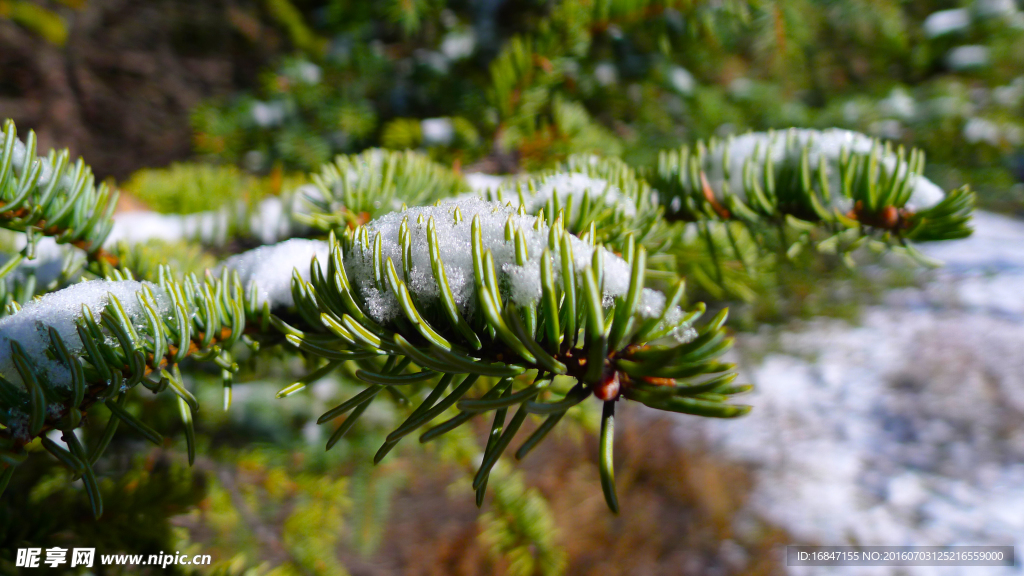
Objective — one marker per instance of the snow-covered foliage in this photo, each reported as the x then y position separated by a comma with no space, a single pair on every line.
564,185
274,218
828,144
374,182
51,195
455,245
682,80
45,171
437,131
60,310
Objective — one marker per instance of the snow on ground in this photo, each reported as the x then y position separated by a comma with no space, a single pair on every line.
983,274
907,429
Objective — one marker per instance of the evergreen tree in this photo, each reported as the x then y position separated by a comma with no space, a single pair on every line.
628,206
535,299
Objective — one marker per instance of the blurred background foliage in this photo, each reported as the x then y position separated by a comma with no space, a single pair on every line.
249,96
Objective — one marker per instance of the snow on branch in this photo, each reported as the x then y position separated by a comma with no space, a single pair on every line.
50,196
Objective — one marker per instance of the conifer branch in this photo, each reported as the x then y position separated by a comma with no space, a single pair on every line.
596,324
52,197
358,187
761,198
603,199
590,319
486,306
58,364
847,185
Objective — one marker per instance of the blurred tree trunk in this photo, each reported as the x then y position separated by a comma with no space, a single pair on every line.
120,90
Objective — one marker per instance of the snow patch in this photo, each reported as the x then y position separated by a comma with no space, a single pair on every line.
437,131
270,268
967,57
946,21
269,221
480,182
